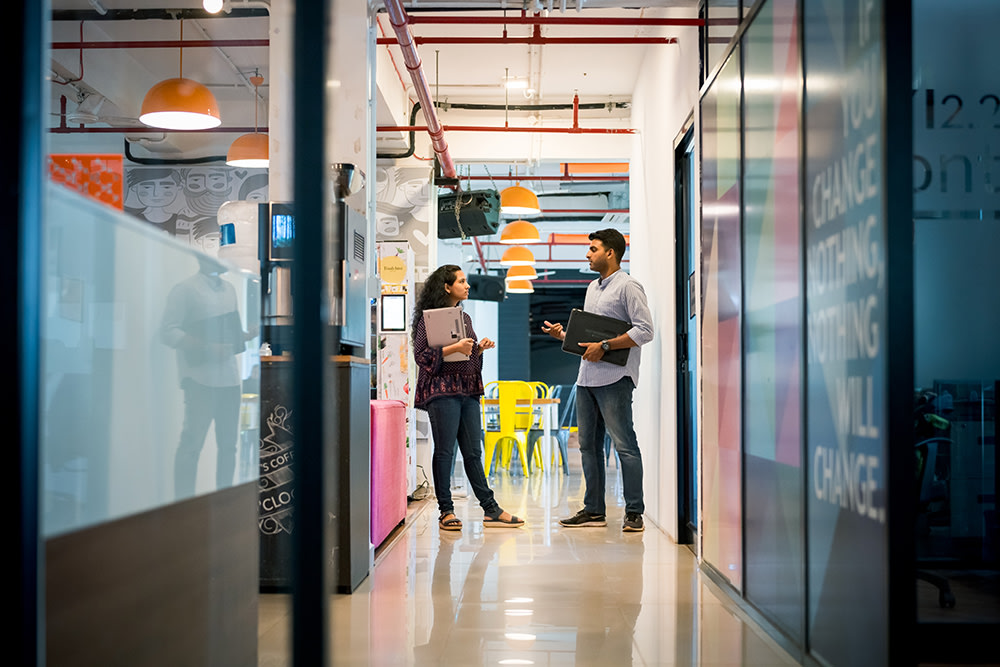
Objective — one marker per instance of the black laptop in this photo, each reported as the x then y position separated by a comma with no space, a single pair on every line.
584,327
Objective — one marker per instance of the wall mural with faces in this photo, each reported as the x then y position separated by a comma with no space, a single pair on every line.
403,208
184,201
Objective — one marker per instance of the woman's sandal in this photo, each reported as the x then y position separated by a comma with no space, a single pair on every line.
454,523
498,522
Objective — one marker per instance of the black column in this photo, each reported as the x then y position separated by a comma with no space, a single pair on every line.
310,544
21,178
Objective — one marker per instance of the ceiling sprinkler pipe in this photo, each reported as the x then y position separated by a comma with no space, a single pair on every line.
161,44
398,19
603,21
536,40
143,129
500,107
505,128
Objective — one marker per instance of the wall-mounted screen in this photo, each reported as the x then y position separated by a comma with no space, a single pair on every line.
393,312
282,232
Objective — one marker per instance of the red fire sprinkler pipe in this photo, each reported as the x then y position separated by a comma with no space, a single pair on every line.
399,21
552,20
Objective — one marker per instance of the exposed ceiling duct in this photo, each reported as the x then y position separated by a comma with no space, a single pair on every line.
400,25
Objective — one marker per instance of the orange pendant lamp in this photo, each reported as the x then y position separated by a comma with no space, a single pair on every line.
179,103
517,256
519,232
521,272
520,287
517,200
250,150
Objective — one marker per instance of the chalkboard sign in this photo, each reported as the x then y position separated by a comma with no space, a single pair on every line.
275,518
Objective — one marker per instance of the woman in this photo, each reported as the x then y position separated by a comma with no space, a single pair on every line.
449,391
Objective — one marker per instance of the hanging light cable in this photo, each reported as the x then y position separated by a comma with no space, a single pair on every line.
251,149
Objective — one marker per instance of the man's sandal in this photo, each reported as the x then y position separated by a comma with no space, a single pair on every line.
454,523
498,521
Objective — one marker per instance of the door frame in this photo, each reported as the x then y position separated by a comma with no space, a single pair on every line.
685,223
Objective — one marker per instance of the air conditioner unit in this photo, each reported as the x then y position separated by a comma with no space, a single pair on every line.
478,214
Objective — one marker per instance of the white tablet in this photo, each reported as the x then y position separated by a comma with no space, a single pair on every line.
445,326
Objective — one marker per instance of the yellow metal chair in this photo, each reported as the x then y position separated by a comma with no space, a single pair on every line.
513,424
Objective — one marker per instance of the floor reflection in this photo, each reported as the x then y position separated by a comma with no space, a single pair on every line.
537,595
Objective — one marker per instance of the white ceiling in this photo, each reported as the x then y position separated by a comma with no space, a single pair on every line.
116,79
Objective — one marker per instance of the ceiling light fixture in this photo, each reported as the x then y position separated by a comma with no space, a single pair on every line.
517,256
212,6
179,103
250,150
520,287
519,232
521,272
516,200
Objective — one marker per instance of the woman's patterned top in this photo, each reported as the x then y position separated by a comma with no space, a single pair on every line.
436,377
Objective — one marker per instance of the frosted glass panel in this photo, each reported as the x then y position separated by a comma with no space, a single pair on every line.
143,338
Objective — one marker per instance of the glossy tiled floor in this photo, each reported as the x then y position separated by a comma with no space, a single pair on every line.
537,595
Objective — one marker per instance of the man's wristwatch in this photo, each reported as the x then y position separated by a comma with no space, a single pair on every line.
605,345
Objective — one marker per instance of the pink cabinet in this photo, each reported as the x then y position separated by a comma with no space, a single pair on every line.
388,457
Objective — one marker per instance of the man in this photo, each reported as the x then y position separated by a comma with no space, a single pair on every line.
202,322
604,390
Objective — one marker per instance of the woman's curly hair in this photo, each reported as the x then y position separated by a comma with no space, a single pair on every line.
433,294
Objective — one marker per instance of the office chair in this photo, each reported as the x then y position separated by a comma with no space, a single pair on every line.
567,422
930,491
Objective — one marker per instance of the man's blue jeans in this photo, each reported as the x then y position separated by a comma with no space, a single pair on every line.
459,418
608,408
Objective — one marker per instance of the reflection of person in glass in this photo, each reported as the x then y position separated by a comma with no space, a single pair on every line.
202,322
479,589
605,616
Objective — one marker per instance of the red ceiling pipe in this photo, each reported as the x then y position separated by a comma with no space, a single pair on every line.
162,44
528,179
483,128
398,19
417,19
65,129
540,41
547,210
479,251
547,245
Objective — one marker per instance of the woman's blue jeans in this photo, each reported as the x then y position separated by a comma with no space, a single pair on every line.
600,409
458,418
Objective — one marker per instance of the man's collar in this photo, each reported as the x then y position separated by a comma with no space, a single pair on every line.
601,281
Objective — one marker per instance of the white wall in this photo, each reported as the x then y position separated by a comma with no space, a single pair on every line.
665,94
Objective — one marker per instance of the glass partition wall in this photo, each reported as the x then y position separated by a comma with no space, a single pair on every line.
185,466
956,201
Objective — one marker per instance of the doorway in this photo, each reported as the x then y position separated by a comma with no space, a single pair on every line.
686,220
